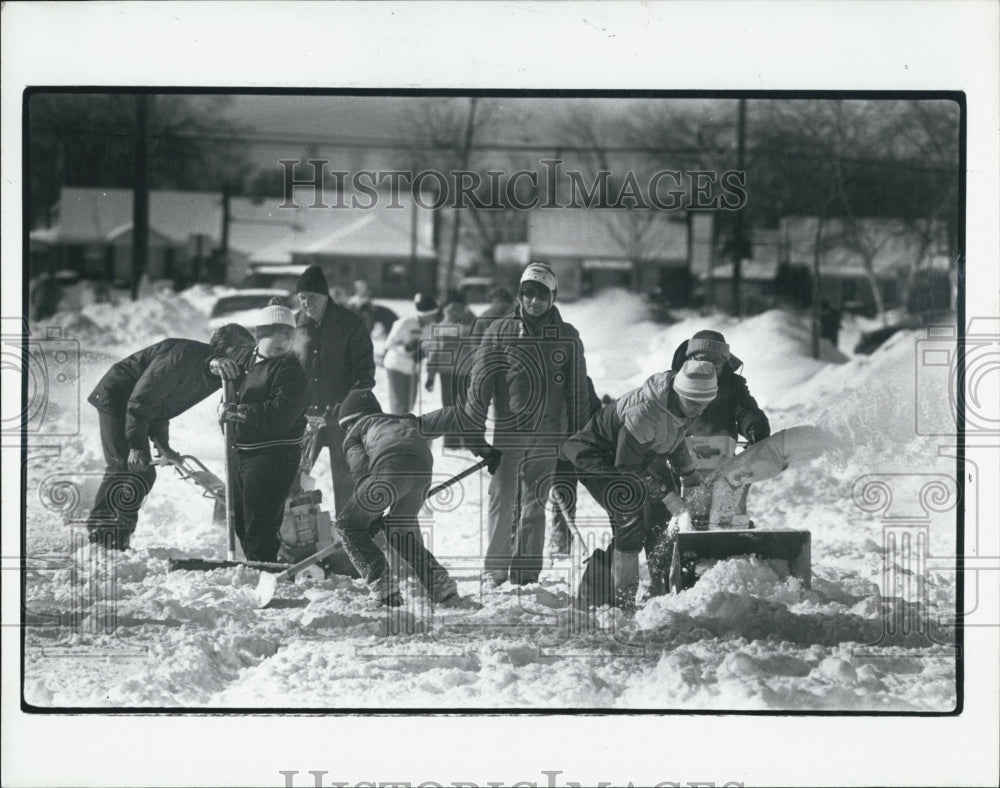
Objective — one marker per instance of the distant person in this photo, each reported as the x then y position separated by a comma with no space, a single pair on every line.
402,354
378,319
336,352
135,401
268,418
501,302
829,323
392,465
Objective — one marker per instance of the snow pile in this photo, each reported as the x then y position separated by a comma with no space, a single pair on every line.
745,636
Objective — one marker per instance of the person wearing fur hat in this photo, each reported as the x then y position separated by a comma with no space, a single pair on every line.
337,355
135,401
402,354
530,366
622,455
391,463
268,420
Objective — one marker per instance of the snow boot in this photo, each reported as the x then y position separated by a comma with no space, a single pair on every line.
625,578
392,599
595,585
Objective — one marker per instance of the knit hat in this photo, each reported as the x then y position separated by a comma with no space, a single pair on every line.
541,273
358,403
276,314
714,343
696,381
425,304
312,280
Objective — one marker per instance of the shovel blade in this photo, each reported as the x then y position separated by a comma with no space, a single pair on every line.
267,586
692,546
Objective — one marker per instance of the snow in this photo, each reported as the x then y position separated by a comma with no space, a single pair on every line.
123,631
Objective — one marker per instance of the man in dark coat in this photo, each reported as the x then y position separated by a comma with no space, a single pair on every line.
135,401
268,418
391,461
530,366
501,302
336,352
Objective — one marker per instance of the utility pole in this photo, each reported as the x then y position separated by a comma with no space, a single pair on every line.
469,127
140,193
740,245
223,258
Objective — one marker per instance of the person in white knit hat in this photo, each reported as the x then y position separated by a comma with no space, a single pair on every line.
624,456
268,418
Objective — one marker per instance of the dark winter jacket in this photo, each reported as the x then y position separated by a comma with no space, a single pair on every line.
635,433
274,396
336,355
375,438
489,316
537,382
155,384
733,411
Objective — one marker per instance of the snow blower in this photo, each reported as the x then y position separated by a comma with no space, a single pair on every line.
727,531
267,585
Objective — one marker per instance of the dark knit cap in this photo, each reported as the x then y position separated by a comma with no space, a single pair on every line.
425,304
313,280
358,403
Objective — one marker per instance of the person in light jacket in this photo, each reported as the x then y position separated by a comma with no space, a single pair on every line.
402,354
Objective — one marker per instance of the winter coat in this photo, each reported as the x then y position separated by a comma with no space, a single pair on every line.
155,384
274,394
733,411
448,348
402,346
375,438
489,316
336,354
635,433
537,382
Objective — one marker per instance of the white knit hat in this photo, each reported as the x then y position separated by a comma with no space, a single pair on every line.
541,273
696,381
276,314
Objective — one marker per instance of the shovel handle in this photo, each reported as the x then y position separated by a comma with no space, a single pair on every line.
457,478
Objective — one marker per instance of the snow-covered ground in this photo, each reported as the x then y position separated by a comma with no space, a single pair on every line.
122,631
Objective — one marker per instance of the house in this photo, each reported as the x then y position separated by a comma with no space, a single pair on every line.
92,238
391,248
592,249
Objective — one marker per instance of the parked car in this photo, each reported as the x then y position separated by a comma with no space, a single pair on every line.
244,306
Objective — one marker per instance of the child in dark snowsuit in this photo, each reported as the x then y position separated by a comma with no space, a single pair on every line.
269,420
391,462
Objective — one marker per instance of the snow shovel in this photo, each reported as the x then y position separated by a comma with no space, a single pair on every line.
227,393
267,585
192,469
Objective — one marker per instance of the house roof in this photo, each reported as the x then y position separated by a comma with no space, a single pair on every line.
259,228
607,233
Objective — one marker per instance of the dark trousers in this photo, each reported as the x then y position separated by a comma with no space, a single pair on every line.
400,485
452,393
261,483
115,512
332,436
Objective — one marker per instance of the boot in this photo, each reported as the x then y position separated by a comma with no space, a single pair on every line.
459,602
625,577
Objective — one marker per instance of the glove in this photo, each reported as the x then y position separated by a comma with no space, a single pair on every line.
163,451
234,413
225,368
655,487
492,457
429,385
411,346
756,433
138,460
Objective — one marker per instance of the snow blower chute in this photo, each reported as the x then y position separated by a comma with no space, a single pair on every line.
726,531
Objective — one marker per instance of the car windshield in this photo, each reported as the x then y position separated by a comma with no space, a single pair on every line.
240,303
